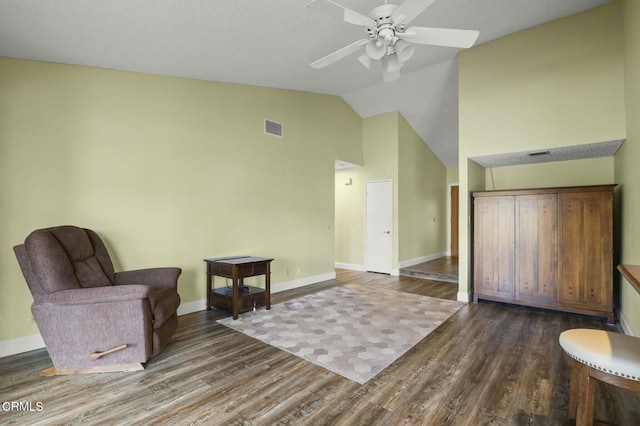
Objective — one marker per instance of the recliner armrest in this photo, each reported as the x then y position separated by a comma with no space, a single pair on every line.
155,277
86,296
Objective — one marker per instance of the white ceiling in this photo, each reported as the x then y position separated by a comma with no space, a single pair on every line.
269,43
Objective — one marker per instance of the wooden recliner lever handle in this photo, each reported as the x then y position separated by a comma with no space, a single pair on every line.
97,355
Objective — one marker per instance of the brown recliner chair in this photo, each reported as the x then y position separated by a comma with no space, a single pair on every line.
91,318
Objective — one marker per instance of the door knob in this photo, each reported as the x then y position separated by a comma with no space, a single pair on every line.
387,232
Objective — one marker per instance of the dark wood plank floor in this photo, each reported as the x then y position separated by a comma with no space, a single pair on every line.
443,265
443,269
489,364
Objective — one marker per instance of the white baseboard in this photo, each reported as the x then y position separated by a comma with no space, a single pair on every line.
191,307
21,344
290,285
624,323
422,259
350,267
394,272
463,296
361,268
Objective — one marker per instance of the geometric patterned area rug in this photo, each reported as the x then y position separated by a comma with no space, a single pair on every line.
353,330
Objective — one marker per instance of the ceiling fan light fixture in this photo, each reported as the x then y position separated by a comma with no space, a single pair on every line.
404,50
365,60
375,50
390,63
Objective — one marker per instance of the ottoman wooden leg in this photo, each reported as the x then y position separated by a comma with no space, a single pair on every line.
573,393
586,398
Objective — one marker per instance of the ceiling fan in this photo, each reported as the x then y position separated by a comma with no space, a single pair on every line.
388,38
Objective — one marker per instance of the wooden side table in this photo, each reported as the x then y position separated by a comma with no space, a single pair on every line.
237,268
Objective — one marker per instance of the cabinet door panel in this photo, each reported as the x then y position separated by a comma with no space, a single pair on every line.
493,247
536,248
571,264
586,269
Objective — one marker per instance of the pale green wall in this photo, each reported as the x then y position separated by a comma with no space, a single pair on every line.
380,152
380,147
393,150
350,204
422,197
557,84
452,174
472,178
592,171
626,162
168,171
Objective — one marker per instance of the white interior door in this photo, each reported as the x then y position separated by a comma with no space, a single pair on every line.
378,226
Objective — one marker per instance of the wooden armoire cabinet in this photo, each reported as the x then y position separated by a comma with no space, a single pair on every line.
550,248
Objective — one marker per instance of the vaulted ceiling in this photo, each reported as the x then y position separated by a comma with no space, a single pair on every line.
270,43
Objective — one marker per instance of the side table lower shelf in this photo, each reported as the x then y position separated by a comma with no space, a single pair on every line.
222,298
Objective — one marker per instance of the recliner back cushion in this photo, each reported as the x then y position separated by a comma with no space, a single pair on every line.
67,257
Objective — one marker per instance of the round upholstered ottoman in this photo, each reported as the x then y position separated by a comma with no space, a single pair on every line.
613,358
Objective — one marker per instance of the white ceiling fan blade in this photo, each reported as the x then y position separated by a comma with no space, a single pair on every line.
339,54
336,10
408,10
440,36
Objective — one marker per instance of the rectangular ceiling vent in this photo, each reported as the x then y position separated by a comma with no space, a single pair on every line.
273,128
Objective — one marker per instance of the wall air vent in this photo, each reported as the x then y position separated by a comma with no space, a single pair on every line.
538,154
273,128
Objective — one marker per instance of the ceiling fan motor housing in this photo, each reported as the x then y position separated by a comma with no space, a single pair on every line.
382,14
385,33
